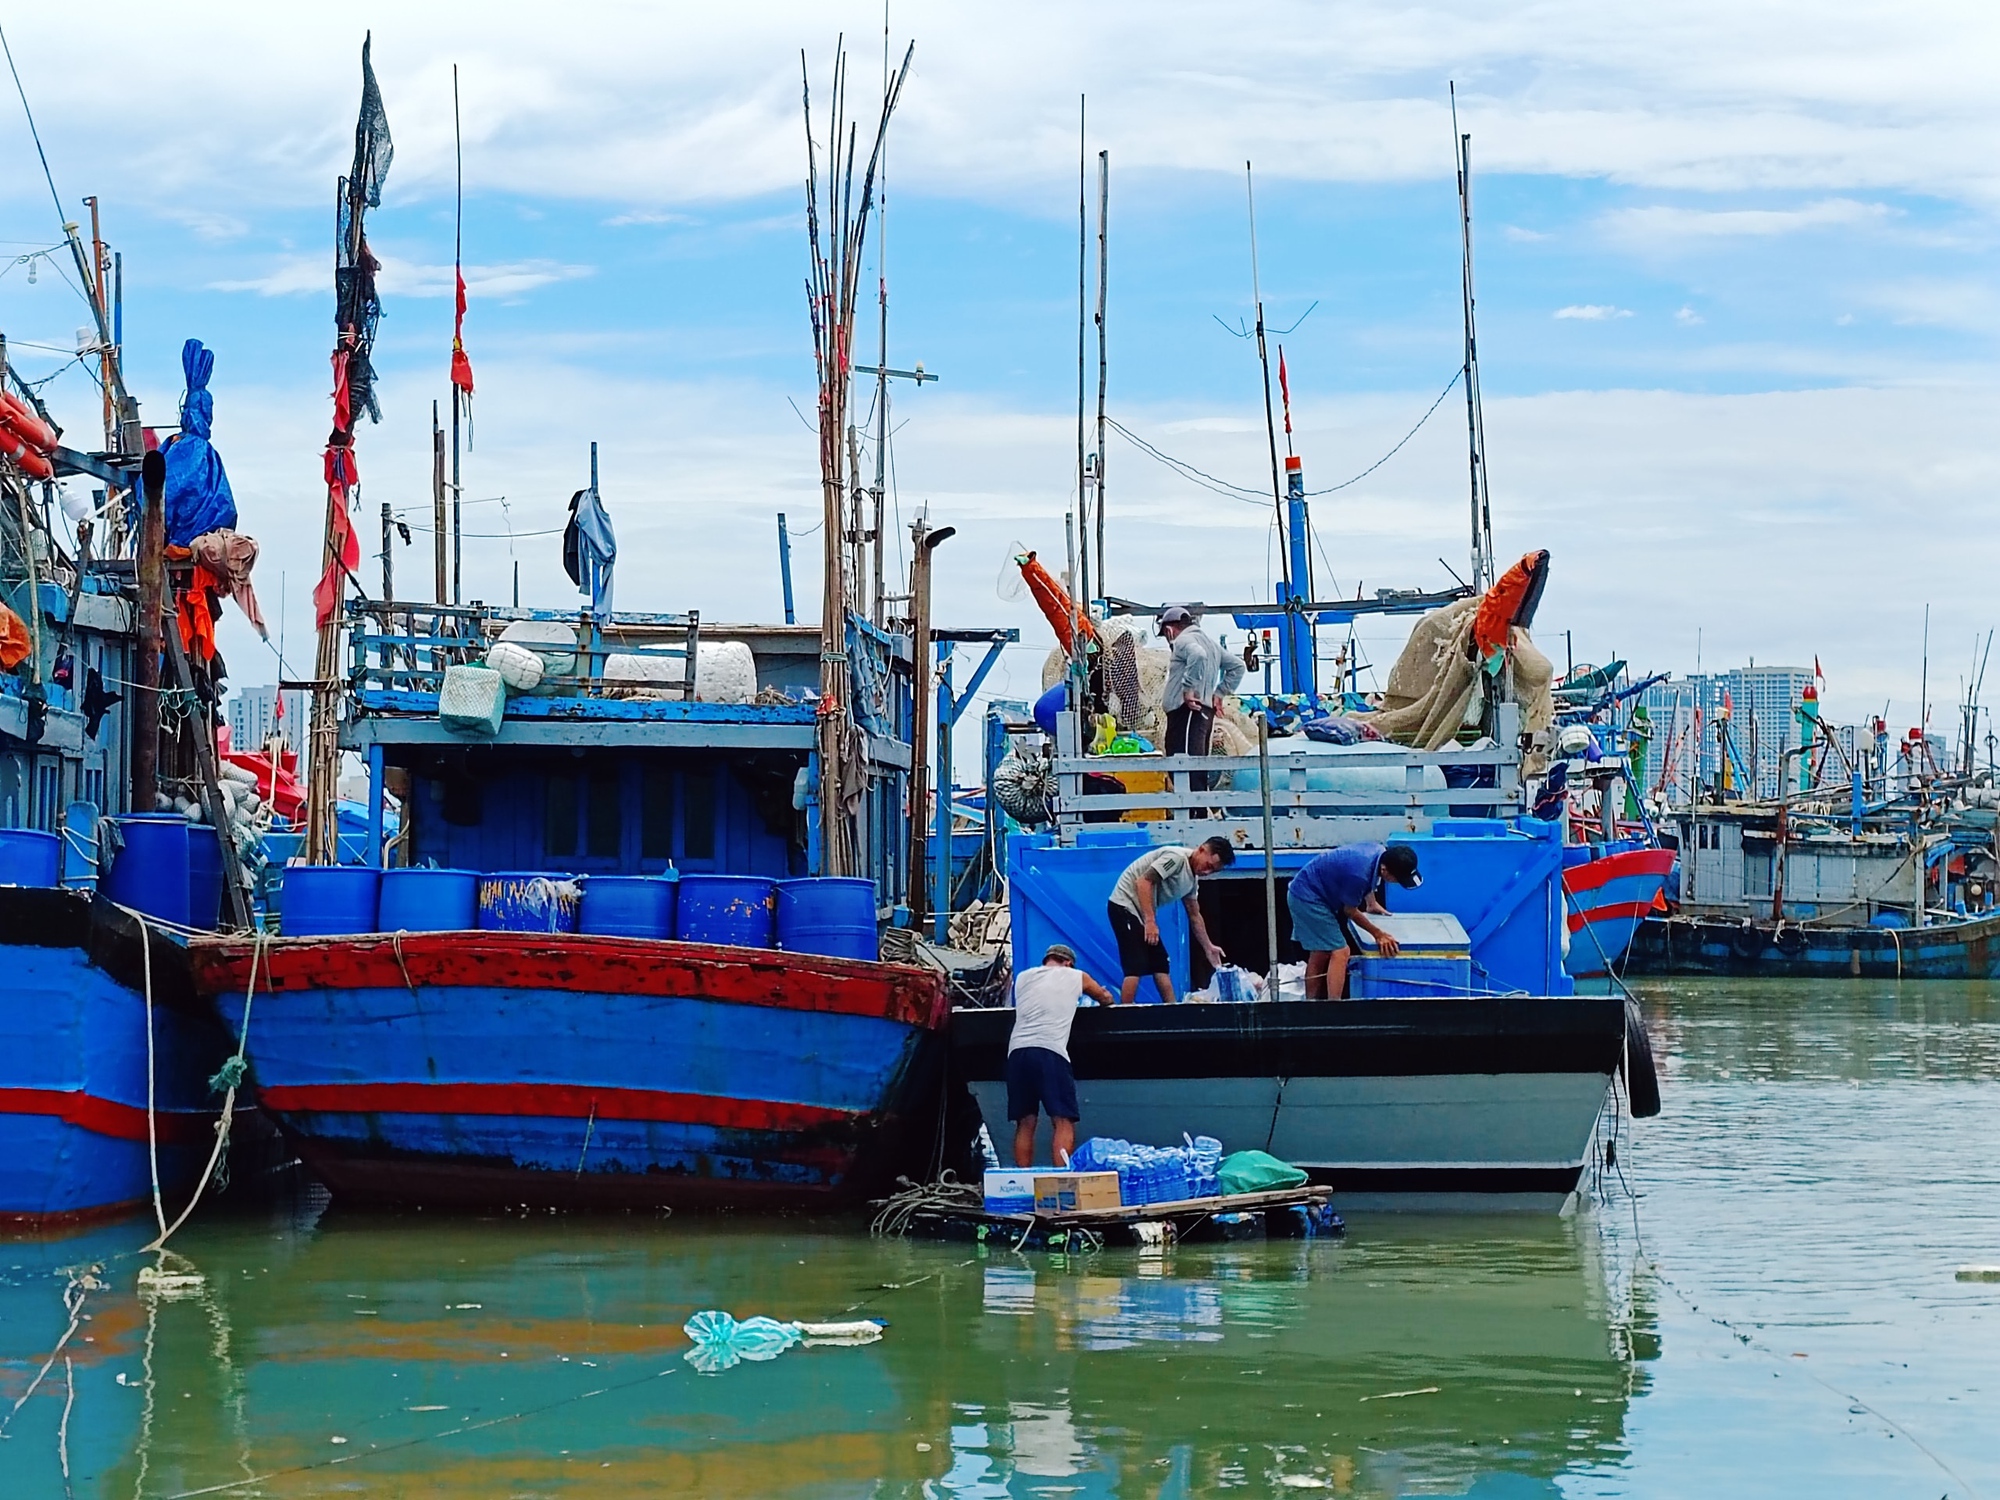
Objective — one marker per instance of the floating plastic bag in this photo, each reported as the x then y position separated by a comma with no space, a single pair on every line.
721,1342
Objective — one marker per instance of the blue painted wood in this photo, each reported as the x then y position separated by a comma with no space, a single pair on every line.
73,1041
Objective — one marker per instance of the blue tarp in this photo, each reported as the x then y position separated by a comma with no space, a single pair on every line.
198,498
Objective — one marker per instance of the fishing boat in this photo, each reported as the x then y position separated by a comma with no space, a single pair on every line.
105,1050
1801,891
720,1032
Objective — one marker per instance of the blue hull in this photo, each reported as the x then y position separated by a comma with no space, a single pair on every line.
1957,950
73,1062
509,1068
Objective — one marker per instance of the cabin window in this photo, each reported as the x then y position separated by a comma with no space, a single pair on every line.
605,823
656,814
559,822
698,815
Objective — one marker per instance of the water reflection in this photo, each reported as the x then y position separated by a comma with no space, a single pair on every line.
474,1359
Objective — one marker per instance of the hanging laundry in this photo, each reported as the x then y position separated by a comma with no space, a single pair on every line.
96,701
589,549
229,556
198,497
197,615
15,644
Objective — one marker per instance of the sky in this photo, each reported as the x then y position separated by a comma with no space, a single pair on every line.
1736,291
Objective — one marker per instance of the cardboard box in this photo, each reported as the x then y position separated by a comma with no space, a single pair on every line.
1066,1192
1010,1190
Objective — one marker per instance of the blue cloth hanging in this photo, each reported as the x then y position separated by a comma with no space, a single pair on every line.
198,499
589,549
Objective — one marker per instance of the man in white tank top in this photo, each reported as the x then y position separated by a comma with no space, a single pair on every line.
1038,1072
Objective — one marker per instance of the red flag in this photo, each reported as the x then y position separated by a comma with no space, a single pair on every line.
1285,390
1817,673
461,366
342,545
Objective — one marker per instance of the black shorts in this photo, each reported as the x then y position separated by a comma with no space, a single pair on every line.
1040,1082
1137,958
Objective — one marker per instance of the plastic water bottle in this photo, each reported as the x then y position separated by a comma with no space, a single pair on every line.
986,1150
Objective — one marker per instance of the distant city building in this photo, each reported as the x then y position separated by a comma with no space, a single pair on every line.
1763,725
253,717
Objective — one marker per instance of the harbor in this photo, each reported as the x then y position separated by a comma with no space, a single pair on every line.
1233,1001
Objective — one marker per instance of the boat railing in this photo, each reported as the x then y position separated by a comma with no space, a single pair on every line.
404,647
1303,815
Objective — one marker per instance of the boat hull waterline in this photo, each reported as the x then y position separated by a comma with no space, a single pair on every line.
1607,899
1968,949
1412,1105
75,1140
497,1068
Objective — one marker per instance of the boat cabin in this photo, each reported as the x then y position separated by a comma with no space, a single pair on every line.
651,742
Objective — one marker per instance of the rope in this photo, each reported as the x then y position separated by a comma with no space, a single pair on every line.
152,1117
945,1196
228,1079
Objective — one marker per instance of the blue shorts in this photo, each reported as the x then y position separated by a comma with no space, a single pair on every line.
1318,928
1040,1082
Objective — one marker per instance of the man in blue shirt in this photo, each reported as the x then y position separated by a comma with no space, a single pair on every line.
1339,887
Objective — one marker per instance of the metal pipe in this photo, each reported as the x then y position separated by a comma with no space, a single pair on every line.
785,568
1270,862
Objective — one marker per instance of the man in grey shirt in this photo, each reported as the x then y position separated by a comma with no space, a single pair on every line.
1197,677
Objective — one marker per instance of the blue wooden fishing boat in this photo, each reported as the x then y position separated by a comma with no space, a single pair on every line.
733,1041
99,1088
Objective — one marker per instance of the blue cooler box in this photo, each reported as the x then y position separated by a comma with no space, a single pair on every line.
1435,959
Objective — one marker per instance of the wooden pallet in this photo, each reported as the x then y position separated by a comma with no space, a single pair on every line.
1176,1219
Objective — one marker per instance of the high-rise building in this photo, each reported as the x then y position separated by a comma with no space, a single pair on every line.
254,717
1686,750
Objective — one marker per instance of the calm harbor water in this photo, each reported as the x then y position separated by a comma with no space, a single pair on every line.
1770,1310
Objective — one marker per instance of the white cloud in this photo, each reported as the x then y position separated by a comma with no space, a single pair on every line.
1655,225
1593,312
298,275
667,105
1522,236
647,216
1689,317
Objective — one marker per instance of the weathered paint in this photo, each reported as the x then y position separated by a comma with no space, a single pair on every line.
1955,950
73,1064
1608,898
463,1068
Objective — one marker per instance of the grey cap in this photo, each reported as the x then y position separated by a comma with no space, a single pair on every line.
1062,951
1174,614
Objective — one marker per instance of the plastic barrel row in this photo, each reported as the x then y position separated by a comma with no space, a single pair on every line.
835,917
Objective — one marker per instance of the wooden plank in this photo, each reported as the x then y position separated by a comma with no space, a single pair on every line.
1177,1209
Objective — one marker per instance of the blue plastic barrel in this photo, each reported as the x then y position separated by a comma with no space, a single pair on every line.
527,901
204,877
330,900
29,857
833,916
150,871
428,901
733,909
640,906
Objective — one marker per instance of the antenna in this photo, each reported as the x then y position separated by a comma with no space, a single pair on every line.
1103,277
1475,417
1080,580
1264,361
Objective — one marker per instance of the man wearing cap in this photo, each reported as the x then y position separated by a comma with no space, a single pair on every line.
1038,1072
1342,887
1197,677
1156,879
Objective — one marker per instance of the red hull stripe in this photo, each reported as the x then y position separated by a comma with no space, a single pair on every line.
123,1122
1579,878
1611,911
623,966
549,1100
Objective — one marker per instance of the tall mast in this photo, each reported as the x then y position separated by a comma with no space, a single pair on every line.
1475,420
1103,275
1264,362
878,611
1080,578
457,261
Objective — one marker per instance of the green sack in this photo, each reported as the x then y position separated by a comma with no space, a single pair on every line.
1257,1172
